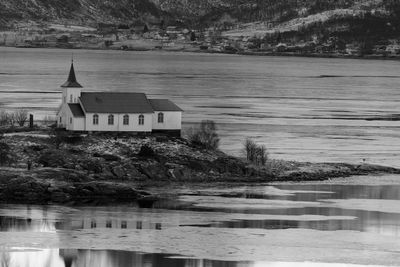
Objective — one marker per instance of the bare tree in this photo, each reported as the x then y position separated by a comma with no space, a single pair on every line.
21,116
11,119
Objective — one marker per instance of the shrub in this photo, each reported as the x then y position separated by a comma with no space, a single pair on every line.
205,136
256,154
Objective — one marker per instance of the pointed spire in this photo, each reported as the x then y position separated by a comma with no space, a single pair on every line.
72,82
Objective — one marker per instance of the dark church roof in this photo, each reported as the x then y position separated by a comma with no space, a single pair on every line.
72,82
115,102
164,105
76,110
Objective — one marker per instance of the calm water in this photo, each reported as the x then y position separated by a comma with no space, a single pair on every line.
283,225
307,109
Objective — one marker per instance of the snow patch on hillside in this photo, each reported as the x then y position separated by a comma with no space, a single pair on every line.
259,29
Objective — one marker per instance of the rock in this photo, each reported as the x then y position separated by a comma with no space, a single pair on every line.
107,157
199,165
52,158
91,165
183,173
36,147
132,173
119,172
155,171
110,191
60,197
147,201
25,189
60,174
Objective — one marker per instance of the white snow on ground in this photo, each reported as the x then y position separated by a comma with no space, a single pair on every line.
28,134
71,28
261,28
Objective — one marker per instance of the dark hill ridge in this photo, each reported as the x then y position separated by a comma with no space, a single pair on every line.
78,11
194,11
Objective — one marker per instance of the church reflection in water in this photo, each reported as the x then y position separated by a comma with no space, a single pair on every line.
100,258
27,257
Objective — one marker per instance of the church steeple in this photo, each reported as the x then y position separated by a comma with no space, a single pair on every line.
72,82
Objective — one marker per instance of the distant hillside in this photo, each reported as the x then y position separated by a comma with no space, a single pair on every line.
79,11
292,19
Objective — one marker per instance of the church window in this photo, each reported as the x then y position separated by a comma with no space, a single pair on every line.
126,119
111,119
141,120
95,119
160,117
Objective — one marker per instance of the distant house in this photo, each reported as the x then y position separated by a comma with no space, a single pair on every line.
281,47
115,111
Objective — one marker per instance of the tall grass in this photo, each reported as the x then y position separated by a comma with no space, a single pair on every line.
256,154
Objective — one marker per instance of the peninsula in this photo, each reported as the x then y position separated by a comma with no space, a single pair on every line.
38,169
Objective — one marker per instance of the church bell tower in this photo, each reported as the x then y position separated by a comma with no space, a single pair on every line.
71,88
71,91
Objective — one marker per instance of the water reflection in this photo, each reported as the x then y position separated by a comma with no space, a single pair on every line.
131,220
101,258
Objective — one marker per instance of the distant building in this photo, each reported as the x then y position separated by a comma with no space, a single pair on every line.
115,111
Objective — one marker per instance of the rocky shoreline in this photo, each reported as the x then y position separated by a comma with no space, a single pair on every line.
99,168
243,53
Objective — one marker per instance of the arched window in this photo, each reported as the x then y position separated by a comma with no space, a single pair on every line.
70,120
160,117
70,98
141,120
95,119
126,120
111,119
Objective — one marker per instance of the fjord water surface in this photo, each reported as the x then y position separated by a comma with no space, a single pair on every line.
306,109
349,224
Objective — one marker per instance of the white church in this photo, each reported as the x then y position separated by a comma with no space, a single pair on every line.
115,111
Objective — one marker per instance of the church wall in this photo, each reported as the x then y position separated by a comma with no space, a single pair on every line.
118,126
172,120
74,123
